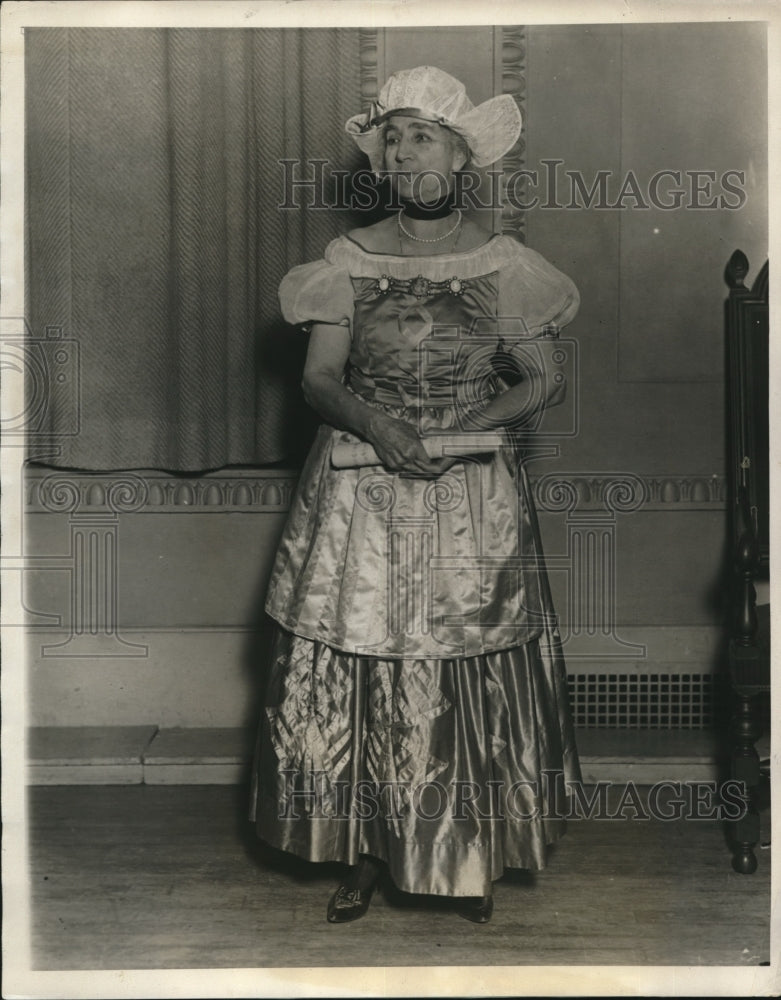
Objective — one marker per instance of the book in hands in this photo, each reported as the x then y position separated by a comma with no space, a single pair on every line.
350,455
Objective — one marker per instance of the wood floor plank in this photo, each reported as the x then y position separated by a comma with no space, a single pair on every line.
154,877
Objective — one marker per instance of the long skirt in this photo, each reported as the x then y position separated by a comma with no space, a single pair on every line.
448,770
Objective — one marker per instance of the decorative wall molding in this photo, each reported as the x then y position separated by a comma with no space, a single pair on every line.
513,81
260,491
247,491
625,492
369,43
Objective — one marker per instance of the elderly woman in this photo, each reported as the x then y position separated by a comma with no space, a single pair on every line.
417,707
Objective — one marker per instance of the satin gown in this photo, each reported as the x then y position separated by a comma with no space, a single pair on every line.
416,707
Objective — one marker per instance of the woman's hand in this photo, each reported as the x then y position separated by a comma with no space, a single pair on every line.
400,448
396,442
516,405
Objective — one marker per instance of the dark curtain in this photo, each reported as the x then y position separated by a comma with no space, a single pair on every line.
155,239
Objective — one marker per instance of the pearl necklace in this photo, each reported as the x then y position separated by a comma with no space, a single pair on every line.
423,239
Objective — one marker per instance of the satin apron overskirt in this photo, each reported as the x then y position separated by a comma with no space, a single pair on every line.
416,707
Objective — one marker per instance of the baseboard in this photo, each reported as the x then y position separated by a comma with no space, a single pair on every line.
135,755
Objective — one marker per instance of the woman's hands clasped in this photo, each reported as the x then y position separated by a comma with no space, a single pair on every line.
400,448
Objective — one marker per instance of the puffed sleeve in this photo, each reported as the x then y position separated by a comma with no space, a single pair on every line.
535,292
319,292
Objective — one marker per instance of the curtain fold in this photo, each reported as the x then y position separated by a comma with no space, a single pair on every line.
155,238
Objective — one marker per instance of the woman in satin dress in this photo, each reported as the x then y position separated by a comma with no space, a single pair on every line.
417,707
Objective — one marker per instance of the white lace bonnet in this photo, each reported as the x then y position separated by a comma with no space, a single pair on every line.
491,129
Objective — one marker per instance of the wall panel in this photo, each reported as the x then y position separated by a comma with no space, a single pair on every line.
185,644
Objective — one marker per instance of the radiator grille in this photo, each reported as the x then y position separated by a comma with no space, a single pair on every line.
647,701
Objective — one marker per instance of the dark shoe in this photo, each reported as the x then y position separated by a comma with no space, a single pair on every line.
478,909
348,904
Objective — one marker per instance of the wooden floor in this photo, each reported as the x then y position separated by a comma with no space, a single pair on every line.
156,877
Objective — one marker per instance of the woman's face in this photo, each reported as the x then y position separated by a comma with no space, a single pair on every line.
421,157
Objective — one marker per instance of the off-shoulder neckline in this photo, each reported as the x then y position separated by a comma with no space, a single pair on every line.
459,254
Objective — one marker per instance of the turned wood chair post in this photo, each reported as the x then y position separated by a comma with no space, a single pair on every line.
749,674
745,727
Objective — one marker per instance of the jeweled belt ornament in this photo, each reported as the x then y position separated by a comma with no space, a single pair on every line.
420,287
